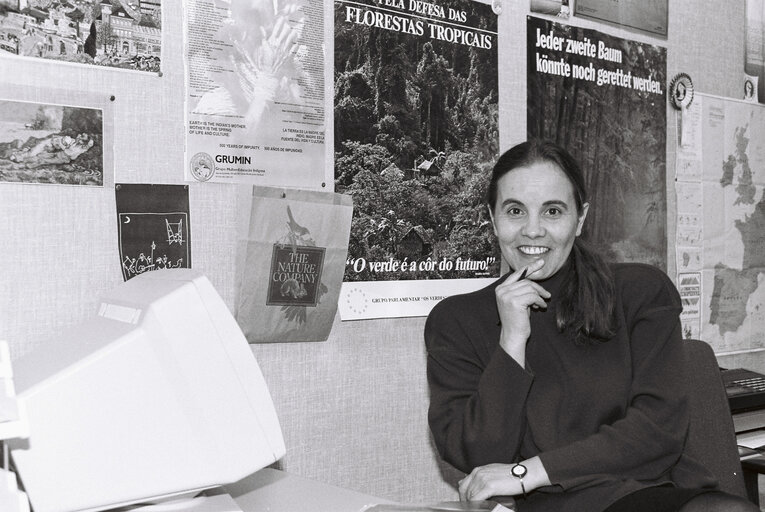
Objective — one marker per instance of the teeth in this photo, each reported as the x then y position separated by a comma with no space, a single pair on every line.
533,251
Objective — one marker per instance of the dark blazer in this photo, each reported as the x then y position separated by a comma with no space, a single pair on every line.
606,418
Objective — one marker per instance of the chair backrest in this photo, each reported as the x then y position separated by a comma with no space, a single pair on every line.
711,437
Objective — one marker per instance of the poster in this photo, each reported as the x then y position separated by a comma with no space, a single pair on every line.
52,144
416,135
118,35
153,227
721,208
603,98
255,92
754,50
647,15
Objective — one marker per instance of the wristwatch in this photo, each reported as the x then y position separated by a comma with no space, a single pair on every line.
519,471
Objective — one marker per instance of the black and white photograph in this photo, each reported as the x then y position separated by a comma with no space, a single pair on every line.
117,34
383,256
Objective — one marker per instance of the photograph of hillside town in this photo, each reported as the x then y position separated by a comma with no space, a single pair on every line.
124,34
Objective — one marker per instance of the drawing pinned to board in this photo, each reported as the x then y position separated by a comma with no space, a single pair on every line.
45,143
115,34
153,227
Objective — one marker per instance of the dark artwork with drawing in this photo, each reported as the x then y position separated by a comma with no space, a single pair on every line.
154,231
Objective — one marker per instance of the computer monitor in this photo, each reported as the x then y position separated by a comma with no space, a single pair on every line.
157,396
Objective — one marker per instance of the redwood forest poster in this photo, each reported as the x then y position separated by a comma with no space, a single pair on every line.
416,133
604,99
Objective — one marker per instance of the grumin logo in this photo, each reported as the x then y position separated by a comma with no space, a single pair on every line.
202,167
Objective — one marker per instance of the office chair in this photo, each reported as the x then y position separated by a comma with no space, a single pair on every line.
711,437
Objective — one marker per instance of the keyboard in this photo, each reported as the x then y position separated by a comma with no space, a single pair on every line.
745,389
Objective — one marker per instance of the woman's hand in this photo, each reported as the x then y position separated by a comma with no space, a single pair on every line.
491,480
515,297
487,481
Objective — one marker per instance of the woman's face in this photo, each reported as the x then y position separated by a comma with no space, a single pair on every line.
535,217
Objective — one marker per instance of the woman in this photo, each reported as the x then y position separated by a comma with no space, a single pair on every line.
558,384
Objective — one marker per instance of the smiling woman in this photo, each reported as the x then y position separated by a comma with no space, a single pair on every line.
558,384
538,204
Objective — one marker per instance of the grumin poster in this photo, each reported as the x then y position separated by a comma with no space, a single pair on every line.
255,92
416,134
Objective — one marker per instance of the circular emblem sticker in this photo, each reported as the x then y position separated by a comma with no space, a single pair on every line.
202,167
356,301
681,91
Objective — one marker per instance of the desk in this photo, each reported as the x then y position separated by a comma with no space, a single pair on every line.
752,460
753,466
271,490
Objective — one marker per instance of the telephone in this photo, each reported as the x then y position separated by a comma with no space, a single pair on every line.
745,389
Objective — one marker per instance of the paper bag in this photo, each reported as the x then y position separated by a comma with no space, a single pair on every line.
290,262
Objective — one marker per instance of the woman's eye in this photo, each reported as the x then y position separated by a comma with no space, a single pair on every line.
554,212
514,212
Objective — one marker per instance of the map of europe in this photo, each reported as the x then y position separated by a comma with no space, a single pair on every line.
734,226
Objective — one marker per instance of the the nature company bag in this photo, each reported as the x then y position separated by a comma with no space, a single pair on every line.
291,257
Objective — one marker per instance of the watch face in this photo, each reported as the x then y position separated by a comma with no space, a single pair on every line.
519,470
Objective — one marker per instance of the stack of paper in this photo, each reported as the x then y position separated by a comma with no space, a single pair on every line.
447,506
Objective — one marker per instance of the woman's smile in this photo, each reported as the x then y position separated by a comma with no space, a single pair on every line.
533,250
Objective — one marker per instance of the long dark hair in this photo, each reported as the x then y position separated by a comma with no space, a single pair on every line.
586,305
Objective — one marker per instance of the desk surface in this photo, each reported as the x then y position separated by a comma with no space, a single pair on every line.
271,490
754,462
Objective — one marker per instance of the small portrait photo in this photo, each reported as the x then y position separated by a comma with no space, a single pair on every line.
750,88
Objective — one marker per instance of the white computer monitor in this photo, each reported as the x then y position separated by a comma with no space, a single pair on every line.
155,397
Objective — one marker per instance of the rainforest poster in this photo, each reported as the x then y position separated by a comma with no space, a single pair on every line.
416,133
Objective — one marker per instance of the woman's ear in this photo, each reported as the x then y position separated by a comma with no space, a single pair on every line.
491,216
580,223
